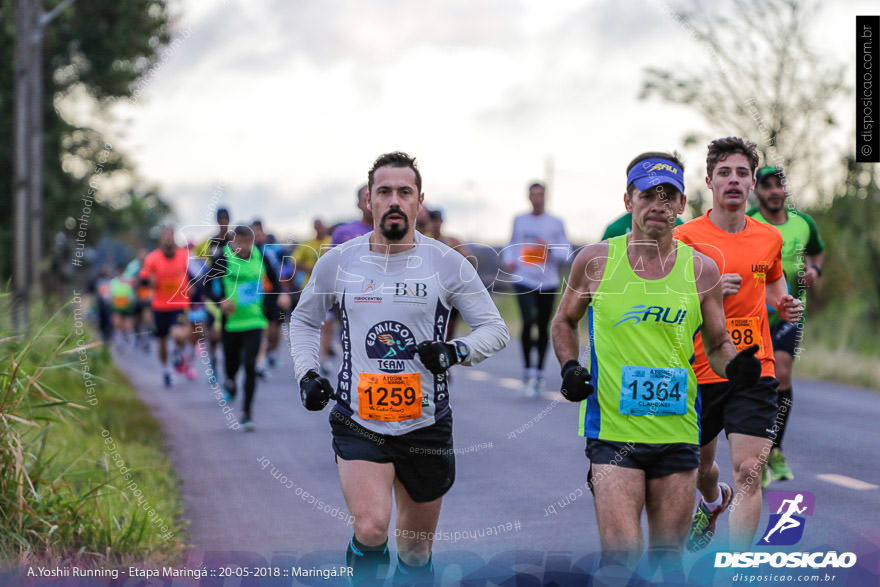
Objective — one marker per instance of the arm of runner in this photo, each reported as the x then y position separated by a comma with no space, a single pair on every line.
812,268
787,306
462,249
469,296
586,274
147,270
716,342
214,279
730,284
510,253
308,317
560,248
283,299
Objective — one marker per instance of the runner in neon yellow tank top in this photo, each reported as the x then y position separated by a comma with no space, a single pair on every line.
647,295
664,321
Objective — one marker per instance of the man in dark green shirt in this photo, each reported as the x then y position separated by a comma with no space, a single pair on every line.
802,256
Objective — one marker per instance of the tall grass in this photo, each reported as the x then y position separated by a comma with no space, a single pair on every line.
840,344
62,496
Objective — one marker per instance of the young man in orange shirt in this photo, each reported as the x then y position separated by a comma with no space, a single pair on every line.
748,254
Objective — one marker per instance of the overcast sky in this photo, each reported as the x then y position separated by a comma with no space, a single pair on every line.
277,109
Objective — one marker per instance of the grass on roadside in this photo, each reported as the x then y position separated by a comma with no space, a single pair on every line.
840,345
82,473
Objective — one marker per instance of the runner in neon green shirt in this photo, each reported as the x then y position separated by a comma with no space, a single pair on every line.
802,254
236,282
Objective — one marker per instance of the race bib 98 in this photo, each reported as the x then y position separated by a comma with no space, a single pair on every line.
744,332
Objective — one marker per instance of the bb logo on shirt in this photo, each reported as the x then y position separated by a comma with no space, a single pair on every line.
411,293
389,343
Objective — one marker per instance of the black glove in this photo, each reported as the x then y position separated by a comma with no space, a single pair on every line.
576,384
315,391
745,368
436,356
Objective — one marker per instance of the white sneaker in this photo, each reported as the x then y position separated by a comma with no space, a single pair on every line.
538,386
528,387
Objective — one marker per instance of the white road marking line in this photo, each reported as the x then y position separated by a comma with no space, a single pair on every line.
477,375
510,383
845,481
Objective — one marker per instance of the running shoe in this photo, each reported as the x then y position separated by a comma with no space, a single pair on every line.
166,379
703,525
539,385
247,425
273,362
229,390
778,469
186,369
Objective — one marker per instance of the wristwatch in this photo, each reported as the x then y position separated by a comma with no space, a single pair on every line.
818,269
462,350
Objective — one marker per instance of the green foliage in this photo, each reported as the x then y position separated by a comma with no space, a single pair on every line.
94,50
845,307
63,491
763,79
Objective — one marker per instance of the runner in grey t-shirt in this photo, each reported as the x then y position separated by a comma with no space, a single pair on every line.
392,424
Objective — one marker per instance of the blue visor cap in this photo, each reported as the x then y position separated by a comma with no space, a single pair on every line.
652,172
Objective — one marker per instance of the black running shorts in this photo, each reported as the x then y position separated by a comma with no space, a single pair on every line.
163,321
735,409
656,460
424,460
787,336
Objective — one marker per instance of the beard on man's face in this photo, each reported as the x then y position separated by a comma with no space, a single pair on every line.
775,206
394,232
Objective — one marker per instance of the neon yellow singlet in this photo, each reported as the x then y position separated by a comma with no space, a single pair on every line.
642,351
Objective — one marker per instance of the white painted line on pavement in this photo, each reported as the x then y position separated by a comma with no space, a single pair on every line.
477,375
847,482
510,383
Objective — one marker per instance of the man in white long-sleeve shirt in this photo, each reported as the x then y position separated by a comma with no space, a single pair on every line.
537,248
392,424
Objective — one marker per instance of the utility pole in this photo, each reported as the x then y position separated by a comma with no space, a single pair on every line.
28,260
22,189
36,147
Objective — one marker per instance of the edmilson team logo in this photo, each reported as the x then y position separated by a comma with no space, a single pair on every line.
642,313
389,342
786,526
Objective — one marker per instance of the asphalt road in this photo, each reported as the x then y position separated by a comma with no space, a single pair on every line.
519,501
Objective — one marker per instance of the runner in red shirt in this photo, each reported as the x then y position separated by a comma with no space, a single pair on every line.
166,271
